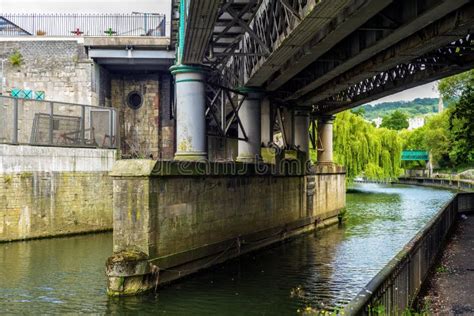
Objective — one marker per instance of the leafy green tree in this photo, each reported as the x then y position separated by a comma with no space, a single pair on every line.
461,127
364,149
437,138
359,111
434,137
416,107
458,91
396,121
451,88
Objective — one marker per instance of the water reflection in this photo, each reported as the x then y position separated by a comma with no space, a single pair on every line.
51,275
67,275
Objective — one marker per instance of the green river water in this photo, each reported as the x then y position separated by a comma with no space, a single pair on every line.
66,275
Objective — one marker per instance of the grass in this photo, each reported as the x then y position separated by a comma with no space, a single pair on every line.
441,269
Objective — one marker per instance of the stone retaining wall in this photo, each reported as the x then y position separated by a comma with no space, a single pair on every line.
50,191
60,68
43,204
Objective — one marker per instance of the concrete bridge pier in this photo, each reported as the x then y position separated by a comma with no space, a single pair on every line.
190,112
173,219
301,127
325,146
250,116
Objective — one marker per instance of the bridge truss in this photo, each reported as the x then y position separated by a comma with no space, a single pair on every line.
456,57
321,56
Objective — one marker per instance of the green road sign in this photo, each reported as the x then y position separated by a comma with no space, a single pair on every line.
411,155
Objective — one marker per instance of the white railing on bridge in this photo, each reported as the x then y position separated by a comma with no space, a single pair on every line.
139,24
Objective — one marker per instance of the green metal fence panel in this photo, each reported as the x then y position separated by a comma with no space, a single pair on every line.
39,95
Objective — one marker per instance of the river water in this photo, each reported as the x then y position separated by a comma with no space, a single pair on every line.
323,270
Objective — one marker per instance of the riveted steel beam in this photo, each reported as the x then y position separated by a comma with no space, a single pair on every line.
448,60
293,52
371,43
441,33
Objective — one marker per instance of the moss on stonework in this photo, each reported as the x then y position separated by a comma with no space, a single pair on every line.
26,175
133,167
126,256
7,179
185,144
132,285
129,291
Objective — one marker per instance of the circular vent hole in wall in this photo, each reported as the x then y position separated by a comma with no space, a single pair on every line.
134,100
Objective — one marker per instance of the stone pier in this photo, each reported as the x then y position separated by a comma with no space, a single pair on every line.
173,218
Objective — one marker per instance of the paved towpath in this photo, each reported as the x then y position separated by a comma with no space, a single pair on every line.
451,288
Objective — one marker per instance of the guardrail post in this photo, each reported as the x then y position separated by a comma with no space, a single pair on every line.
83,124
15,121
111,128
51,122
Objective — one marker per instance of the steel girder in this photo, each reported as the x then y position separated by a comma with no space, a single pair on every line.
297,32
250,36
212,29
438,34
222,110
396,22
453,58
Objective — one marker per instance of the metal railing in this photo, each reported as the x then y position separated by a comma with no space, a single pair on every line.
140,24
460,184
393,290
50,123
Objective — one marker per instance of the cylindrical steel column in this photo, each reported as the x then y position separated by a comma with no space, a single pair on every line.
325,139
301,127
190,112
250,116
288,126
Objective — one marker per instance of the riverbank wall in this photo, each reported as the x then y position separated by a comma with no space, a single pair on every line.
463,185
51,191
394,289
173,218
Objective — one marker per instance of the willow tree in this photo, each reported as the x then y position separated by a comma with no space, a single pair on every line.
364,149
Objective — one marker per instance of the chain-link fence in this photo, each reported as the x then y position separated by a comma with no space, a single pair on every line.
33,122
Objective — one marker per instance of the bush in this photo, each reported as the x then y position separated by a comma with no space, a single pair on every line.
16,59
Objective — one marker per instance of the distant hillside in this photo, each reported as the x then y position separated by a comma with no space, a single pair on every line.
413,108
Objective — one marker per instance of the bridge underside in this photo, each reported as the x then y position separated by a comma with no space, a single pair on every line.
451,59
328,54
272,65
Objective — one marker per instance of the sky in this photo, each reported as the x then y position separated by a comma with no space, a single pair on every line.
429,90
